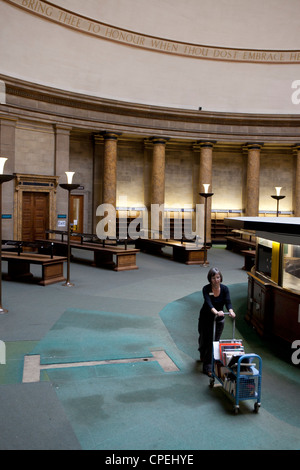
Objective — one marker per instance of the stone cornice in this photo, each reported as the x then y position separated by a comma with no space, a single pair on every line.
32,101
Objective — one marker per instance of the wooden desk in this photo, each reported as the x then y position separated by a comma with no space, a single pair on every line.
272,310
125,259
186,252
239,244
19,266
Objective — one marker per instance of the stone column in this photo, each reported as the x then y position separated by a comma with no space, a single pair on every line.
158,171
7,150
205,177
61,164
110,168
97,176
252,189
297,183
158,179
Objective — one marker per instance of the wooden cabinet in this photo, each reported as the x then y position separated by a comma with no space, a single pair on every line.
272,310
274,282
259,304
286,315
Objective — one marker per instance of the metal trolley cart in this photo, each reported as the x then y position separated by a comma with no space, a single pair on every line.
235,370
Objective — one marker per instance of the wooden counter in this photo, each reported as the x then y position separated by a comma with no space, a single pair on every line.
272,310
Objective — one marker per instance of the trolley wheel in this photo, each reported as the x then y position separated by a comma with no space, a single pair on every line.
212,383
236,409
256,407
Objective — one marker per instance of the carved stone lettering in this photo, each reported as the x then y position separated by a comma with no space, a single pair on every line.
95,28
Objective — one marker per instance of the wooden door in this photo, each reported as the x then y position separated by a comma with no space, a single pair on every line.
76,212
35,215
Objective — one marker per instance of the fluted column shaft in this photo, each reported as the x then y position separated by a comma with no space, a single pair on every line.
158,171
110,168
205,177
158,184
253,169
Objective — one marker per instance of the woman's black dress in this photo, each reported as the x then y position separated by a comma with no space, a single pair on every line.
206,322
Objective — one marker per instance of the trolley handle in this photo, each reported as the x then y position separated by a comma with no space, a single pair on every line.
233,325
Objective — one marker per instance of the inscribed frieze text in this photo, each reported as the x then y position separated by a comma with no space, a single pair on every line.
104,31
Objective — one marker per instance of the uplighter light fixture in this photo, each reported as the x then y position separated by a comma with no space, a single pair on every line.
69,186
206,195
206,187
278,198
3,179
69,176
2,163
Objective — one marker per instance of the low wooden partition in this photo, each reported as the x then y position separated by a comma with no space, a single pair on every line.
184,252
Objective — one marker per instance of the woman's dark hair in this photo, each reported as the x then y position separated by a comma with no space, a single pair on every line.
212,272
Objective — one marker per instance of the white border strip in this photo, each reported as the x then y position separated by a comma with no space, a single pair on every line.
33,367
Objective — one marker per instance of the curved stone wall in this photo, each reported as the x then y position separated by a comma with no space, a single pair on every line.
77,77
235,56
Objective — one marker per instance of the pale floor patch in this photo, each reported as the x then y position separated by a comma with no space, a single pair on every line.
33,367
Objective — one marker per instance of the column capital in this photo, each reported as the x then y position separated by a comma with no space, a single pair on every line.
110,135
63,128
159,140
206,143
254,145
100,137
